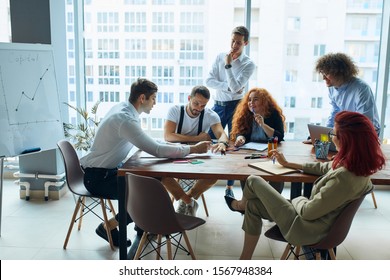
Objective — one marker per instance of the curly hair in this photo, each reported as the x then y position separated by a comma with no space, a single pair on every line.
360,150
243,117
338,65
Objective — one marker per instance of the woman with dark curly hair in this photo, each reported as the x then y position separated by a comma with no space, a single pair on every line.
305,221
257,118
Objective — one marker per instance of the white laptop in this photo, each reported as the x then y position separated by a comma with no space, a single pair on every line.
315,132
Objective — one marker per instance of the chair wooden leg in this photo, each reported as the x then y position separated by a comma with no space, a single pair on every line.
204,205
81,212
297,251
332,254
158,252
318,255
106,223
72,221
111,207
285,252
374,200
140,245
169,247
189,247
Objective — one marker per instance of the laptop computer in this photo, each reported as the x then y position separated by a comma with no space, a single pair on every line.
315,132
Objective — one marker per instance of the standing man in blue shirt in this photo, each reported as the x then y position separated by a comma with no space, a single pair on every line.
229,75
346,91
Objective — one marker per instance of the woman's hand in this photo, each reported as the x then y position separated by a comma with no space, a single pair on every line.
259,119
279,157
239,141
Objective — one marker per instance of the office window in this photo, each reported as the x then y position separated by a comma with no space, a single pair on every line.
163,22
316,102
163,2
192,2
89,74
135,22
135,48
134,2
319,50
157,123
163,75
290,127
132,73
163,49
289,102
108,75
109,96
69,21
72,96
88,51
107,22
89,96
183,97
317,77
291,76
108,48
357,50
144,123
165,97
292,50
191,22
294,23
357,25
192,49
191,75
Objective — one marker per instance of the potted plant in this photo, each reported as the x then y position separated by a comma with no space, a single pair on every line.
82,134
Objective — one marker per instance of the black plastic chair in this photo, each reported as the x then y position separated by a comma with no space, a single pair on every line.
75,182
336,235
149,205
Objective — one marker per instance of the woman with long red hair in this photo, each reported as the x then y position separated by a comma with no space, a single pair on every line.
256,119
305,221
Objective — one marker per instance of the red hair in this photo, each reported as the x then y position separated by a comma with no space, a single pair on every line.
243,117
360,150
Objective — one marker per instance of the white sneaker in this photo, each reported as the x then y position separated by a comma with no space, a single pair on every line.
182,208
191,209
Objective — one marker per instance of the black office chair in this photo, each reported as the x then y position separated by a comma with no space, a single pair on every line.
75,182
150,207
336,235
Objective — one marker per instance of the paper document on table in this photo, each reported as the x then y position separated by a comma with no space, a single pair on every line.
270,167
255,146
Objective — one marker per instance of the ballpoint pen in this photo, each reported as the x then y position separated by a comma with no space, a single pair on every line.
275,146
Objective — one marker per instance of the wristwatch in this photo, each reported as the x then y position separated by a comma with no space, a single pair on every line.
228,66
225,143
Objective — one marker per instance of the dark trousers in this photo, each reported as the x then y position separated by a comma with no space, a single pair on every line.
225,113
296,189
105,183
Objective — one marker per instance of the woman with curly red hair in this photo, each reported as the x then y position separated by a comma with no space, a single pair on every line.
304,221
256,118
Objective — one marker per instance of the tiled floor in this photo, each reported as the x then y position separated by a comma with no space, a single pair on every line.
35,230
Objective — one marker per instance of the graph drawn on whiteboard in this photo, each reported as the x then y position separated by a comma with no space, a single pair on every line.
29,101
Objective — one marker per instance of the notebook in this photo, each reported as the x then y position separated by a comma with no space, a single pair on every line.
315,132
270,167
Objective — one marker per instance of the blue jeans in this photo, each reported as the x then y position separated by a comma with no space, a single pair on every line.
225,113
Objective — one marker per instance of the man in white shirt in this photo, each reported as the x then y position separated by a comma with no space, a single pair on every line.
228,76
117,134
190,124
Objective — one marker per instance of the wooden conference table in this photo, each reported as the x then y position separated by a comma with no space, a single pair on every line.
232,166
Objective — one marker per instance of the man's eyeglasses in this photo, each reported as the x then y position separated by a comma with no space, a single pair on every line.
331,134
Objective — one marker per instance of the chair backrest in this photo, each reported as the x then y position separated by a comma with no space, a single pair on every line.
340,228
149,205
73,171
